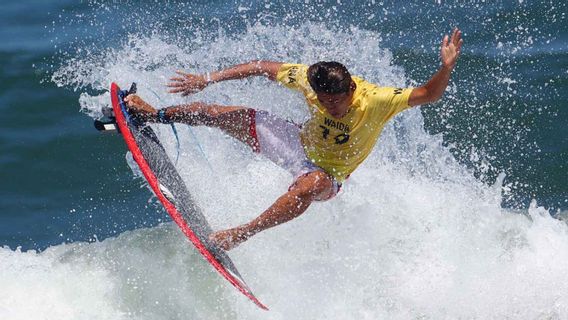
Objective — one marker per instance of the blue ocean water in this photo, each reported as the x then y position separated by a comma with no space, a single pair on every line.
503,121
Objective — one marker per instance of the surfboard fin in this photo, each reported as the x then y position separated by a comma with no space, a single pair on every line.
167,193
108,125
132,89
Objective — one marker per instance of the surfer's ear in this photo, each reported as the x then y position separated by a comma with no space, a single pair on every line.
352,86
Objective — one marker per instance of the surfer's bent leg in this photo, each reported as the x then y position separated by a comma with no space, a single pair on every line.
313,186
238,122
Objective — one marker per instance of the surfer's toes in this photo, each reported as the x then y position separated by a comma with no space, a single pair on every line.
135,104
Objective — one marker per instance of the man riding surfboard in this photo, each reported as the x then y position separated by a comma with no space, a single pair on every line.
347,117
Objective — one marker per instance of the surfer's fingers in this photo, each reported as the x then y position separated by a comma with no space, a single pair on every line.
177,79
181,73
132,99
129,102
175,84
177,90
459,46
456,36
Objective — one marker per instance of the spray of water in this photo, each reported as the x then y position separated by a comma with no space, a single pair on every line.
412,236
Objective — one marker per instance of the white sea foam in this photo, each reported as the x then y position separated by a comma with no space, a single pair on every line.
412,236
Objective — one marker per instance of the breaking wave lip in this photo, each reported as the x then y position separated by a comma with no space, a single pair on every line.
413,234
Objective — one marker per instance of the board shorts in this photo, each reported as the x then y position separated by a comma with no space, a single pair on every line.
279,141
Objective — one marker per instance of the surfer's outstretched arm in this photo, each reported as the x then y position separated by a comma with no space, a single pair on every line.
316,185
433,90
187,83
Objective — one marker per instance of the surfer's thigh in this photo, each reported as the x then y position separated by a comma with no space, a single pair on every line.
279,141
236,121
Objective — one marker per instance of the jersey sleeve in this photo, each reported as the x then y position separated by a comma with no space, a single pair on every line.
390,101
294,76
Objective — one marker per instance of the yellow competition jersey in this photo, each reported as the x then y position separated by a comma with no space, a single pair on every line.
339,145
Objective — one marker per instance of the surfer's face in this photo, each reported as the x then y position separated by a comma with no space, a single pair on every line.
337,104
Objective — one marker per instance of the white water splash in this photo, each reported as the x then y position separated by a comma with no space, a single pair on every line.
412,236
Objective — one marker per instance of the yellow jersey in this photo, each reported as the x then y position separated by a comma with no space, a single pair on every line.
340,145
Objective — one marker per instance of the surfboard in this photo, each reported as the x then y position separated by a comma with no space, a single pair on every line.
170,189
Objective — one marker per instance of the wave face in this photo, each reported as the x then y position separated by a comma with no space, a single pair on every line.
413,235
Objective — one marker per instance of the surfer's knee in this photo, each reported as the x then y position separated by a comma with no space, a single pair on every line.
313,186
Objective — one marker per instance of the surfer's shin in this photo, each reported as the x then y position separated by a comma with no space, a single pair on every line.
194,114
293,203
286,208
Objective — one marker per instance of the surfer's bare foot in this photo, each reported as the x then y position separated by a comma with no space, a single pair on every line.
230,238
139,107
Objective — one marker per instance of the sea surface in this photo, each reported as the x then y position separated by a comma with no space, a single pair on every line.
459,212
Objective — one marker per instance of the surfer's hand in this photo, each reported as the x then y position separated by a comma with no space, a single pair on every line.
139,107
187,83
451,48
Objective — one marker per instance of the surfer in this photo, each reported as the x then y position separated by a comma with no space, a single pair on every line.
347,117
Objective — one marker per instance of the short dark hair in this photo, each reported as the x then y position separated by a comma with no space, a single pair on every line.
329,77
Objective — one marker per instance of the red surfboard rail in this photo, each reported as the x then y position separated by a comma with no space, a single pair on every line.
168,205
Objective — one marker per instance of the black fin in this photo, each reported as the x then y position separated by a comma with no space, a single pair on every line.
132,89
106,126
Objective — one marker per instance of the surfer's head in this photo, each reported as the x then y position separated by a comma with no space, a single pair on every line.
333,86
